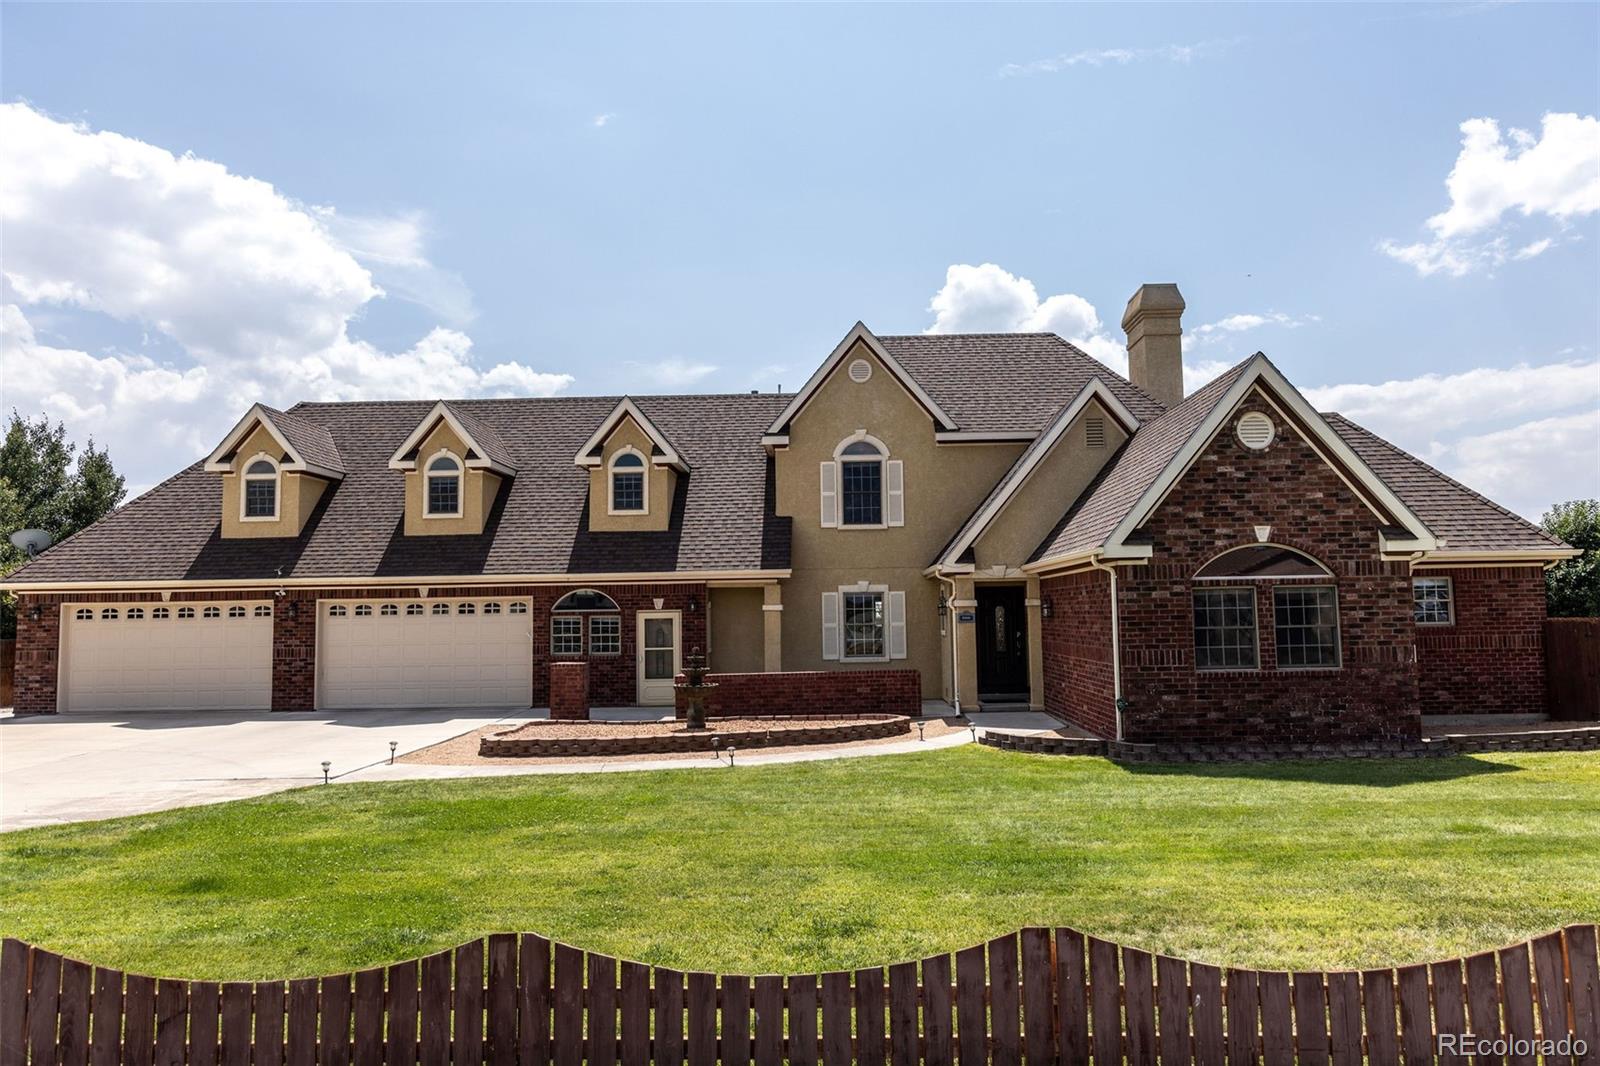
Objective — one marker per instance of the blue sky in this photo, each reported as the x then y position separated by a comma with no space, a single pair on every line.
606,199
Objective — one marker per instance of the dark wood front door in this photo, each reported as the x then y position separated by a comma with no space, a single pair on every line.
1002,644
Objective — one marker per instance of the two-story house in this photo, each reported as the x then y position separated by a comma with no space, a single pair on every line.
999,512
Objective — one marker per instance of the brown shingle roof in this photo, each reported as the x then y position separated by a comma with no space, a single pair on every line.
722,515
1463,519
1137,464
484,436
1006,382
313,442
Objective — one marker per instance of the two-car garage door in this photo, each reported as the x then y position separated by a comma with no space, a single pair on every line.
166,657
425,653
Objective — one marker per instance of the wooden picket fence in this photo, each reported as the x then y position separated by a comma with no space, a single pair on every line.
1037,997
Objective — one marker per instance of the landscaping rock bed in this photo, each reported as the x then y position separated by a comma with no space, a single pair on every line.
549,739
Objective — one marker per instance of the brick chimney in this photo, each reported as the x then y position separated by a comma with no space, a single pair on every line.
1154,325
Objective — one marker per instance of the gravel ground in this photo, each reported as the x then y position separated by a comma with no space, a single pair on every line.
463,750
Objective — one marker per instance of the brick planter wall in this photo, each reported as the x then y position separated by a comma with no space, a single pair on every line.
38,655
1491,660
569,691
813,692
526,741
1227,492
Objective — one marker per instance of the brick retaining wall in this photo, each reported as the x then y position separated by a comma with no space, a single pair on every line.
813,692
525,740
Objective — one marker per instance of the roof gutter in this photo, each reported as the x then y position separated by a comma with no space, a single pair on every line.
1116,650
431,580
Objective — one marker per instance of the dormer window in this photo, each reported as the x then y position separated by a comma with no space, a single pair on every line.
259,501
628,483
444,487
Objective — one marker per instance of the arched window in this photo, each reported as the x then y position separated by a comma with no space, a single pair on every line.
1261,562
629,486
861,482
259,502
585,600
444,487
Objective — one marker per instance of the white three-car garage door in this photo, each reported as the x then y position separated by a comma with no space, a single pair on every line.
166,657
425,653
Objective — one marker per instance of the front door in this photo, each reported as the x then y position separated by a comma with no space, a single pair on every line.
660,655
1002,644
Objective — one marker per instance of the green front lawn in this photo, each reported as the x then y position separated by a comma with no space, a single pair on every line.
834,864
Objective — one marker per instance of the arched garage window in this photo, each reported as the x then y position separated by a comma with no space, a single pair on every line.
1305,617
566,624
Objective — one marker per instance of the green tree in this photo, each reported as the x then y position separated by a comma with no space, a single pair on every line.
42,488
1573,587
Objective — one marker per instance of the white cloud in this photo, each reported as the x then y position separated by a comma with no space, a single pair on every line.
1121,57
1243,323
1524,435
989,299
602,121
1555,175
672,373
394,249
252,293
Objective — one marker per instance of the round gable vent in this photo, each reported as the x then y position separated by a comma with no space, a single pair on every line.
1255,430
860,371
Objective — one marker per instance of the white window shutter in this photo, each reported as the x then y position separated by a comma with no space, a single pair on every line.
830,625
897,625
830,494
895,477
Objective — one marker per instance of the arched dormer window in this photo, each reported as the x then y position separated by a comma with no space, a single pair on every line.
1260,562
630,487
443,487
862,487
258,497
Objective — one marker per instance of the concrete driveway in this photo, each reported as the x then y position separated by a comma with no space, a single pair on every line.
73,768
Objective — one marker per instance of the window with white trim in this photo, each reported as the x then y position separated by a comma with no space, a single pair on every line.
109,613
263,611
135,614
466,608
440,608
1306,626
443,487
1225,629
389,610
160,613
491,608
863,625
337,610
84,614
1432,601
862,488
605,634
413,609
518,608
363,610
211,612
236,612
260,490
185,612
566,635
629,490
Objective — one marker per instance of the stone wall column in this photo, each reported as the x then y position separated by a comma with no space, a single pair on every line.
772,626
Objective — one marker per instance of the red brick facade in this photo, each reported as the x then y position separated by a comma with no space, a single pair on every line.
1076,642
612,678
814,692
1227,492
569,691
1490,660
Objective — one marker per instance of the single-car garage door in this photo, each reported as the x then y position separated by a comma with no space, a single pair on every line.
166,657
425,653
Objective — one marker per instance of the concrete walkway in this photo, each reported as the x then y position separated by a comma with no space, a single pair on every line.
73,768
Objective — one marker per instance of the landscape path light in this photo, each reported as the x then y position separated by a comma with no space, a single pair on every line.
325,765
393,744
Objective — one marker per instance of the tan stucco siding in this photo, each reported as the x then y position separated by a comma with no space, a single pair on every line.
1049,491
737,636
661,483
943,483
478,490
297,493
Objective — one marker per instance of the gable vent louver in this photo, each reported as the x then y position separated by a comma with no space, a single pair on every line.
1255,430
860,371
1094,432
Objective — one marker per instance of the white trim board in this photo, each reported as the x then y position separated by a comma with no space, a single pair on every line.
627,408
858,332
413,442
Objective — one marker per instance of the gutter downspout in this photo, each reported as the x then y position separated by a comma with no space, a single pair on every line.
1116,651
955,652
